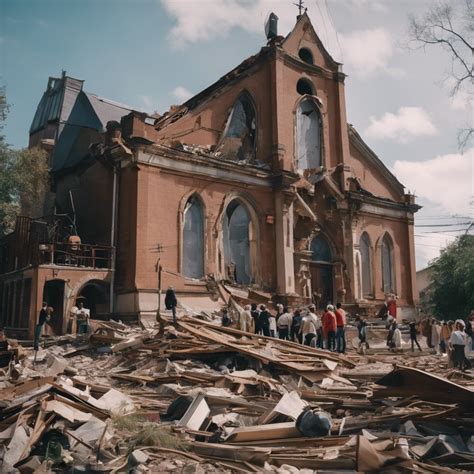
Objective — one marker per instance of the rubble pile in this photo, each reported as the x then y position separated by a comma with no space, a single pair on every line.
204,398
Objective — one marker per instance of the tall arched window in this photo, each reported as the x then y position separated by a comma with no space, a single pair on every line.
366,265
321,270
240,136
388,281
308,136
236,229
193,239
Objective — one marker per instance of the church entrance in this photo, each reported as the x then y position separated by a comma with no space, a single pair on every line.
322,281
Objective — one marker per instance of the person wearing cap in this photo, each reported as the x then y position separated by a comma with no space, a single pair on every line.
255,314
329,327
341,329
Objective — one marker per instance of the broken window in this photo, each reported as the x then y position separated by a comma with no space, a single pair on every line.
193,239
308,136
366,265
240,136
304,87
306,55
387,265
236,230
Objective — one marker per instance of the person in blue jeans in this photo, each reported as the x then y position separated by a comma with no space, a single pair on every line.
341,329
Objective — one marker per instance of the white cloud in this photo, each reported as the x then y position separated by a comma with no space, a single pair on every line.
207,19
407,123
182,94
446,181
369,51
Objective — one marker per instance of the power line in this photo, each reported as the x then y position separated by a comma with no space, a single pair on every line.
442,225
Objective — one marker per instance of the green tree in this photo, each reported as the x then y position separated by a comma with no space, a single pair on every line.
24,178
452,285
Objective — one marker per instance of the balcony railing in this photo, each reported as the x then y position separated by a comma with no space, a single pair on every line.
75,255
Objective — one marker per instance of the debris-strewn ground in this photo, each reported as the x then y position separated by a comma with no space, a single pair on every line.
201,398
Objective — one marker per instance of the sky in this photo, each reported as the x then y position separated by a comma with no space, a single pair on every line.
149,54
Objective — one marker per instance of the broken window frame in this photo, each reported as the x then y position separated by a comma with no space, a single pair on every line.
244,276
196,238
244,98
388,273
365,250
319,145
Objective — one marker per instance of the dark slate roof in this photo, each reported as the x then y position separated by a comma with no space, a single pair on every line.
107,110
80,117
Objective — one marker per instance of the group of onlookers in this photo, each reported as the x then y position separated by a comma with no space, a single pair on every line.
302,325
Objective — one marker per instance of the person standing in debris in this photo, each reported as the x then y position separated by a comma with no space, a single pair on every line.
391,328
247,323
171,301
329,327
341,329
362,333
273,325
413,334
307,329
43,317
264,320
83,315
435,335
284,324
468,331
396,344
457,343
444,337
392,305
255,313
317,324
226,321
295,326
383,312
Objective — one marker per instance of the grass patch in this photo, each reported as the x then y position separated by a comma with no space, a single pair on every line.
152,434
131,422
141,432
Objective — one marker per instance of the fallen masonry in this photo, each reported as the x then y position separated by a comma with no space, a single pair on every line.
202,398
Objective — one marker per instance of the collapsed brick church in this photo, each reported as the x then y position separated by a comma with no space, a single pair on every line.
258,181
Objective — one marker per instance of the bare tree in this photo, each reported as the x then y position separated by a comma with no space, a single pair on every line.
450,25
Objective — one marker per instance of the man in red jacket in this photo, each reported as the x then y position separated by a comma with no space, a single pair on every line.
329,327
341,329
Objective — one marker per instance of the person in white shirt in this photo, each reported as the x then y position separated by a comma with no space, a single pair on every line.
307,329
396,337
284,324
458,344
83,315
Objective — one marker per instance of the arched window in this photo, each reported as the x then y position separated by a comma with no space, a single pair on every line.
388,281
366,265
193,239
303,86
321,250
236,228
306,55
321,271
308,136
240,135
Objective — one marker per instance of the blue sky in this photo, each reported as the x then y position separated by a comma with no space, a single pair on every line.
150,54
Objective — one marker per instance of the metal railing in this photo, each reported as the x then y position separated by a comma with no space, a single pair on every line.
75,255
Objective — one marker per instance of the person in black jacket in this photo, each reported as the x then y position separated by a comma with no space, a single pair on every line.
43,317
413,333
295,327
171,302
264,320
254,312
